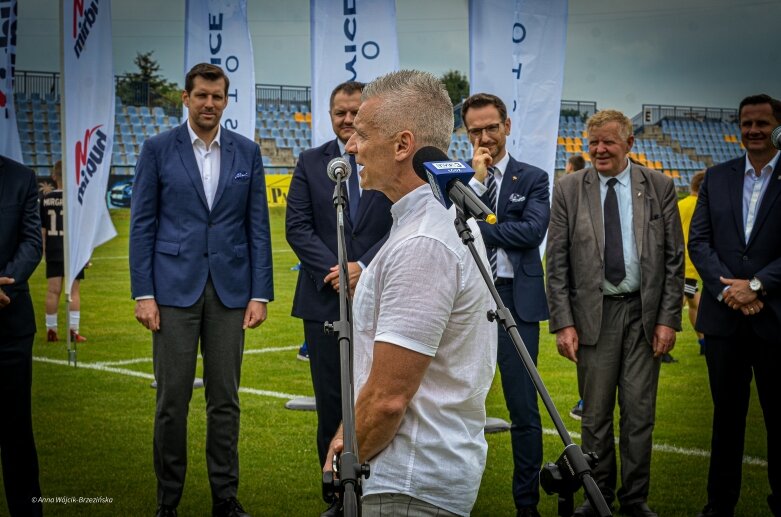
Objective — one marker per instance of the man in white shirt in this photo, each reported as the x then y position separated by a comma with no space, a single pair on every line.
424,349
200,272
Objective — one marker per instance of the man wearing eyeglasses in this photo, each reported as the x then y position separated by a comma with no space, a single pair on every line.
519,195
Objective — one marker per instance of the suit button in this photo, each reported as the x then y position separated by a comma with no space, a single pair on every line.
205,254
745,257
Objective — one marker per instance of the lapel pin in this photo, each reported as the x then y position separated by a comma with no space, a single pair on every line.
516,177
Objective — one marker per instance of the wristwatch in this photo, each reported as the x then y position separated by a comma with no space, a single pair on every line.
755,285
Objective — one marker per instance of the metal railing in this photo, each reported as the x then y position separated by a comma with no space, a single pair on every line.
652,113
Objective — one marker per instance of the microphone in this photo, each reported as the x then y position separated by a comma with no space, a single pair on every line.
448,176
338,168
775,137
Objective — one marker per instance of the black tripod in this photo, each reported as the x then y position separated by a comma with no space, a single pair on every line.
573,468
348,467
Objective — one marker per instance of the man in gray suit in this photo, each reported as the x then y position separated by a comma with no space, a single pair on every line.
615,284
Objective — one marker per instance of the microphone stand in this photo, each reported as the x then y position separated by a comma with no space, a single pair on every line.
347,465
573,468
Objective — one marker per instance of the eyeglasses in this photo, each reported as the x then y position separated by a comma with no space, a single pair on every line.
492,130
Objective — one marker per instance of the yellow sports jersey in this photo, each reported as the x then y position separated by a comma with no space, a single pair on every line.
686,208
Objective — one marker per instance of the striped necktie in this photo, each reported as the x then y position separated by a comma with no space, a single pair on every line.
491,195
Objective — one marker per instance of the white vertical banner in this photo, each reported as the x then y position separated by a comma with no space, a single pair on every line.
88,128
517,53
351,40
217,32
9,132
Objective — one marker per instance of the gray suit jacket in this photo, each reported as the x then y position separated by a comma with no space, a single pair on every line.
575,252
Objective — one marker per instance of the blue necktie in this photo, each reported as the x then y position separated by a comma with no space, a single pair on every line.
614,247
353,187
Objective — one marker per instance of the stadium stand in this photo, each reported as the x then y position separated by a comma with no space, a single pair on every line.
677,141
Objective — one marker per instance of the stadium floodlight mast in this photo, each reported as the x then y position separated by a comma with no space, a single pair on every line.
347,466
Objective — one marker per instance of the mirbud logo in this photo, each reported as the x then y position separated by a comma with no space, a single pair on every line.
89,158
83,20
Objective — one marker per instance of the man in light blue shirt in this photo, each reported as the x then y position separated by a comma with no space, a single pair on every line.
615,285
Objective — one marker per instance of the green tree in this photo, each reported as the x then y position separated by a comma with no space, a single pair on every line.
148,87
457,85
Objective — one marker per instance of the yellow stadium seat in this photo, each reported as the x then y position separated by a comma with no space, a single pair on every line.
560,140
676,174
657,165
299,117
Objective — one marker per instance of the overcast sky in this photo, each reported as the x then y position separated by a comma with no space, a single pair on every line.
620,53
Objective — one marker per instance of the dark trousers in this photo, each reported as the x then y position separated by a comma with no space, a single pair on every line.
521,399
325,368
17,444
622,360
175,353
731,362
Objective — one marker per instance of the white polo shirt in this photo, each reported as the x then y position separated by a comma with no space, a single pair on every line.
424,292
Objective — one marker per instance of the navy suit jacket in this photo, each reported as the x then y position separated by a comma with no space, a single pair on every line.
523,212
311,231
176,242
718,247
20,244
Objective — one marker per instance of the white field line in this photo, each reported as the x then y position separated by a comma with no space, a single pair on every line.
104,367
149,359
125,257
663,447
149,376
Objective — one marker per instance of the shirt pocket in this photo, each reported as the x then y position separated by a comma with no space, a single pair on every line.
364,314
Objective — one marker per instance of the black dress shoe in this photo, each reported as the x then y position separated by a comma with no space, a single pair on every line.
712,510
165,510
335,510
529,511
637,510
229,507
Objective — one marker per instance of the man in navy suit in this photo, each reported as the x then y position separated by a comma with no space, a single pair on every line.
519,195
200,270
20,252
311,232
734,244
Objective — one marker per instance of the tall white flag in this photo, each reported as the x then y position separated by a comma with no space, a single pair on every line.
353,40
517,53
216,32
88,114
9,132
